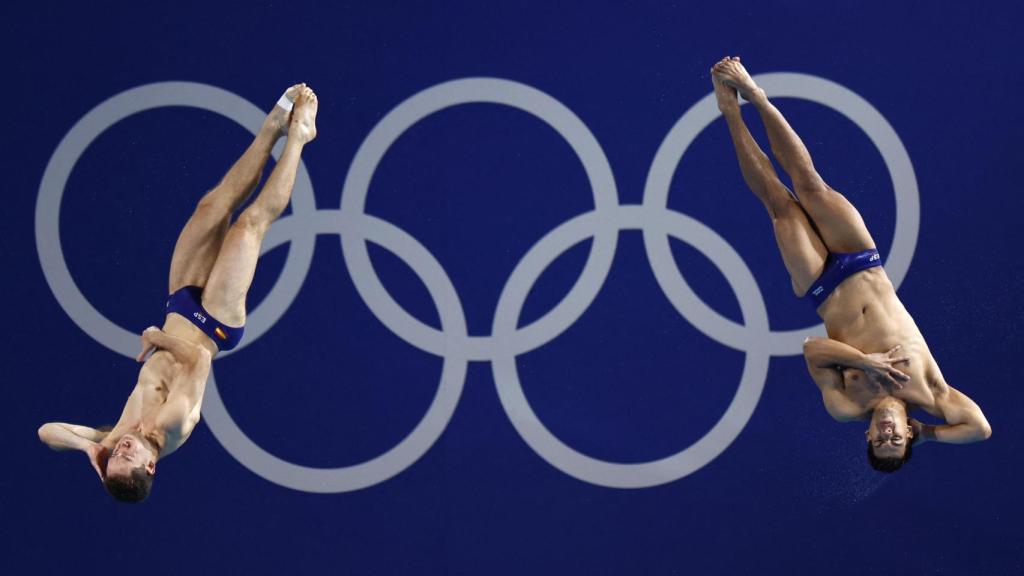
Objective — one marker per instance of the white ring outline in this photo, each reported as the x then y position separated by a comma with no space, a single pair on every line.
715,440
416,108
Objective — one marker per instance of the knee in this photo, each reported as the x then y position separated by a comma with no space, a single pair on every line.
811,188
213,203
782,207
253,220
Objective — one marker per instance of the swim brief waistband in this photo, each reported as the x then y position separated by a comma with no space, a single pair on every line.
187,302
839,267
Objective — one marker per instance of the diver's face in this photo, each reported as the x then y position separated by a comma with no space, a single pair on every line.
889,433
128,454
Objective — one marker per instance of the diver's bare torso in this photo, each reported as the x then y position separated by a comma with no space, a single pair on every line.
158,377
864,312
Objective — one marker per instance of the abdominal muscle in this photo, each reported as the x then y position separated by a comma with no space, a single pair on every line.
177,325
864,312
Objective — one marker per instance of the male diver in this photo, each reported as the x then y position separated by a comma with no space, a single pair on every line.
875,364
211,269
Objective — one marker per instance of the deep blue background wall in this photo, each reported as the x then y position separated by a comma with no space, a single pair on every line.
631,381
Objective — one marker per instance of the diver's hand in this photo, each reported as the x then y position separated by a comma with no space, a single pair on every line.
147,343
880,368
98,456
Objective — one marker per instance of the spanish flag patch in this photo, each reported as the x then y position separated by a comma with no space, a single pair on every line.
220,333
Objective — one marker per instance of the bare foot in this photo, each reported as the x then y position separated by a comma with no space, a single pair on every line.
303,125
279,118
730,72
726,96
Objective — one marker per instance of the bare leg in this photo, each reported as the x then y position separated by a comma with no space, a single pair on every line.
201,238
232,273
802,249
837,221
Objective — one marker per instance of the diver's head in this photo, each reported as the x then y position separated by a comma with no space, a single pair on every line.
130,469
889,436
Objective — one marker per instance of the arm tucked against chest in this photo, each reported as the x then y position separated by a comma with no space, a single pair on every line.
880,367
186,383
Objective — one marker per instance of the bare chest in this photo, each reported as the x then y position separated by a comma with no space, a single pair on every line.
149,395
155,379
920,391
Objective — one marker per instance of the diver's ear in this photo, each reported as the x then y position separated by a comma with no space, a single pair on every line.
151,467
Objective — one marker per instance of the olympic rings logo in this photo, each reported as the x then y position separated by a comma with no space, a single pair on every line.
507,340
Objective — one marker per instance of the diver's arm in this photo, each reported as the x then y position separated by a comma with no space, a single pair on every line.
830,381
828,354
965,422
186,352
61,436
953,433
826,358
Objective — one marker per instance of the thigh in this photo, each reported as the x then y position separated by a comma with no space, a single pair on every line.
197,247
803,251
838,222
232,273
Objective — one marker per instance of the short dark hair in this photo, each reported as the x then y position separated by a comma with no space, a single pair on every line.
889,465
132,488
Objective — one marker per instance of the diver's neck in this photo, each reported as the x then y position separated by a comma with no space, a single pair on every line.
155,439
887,402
